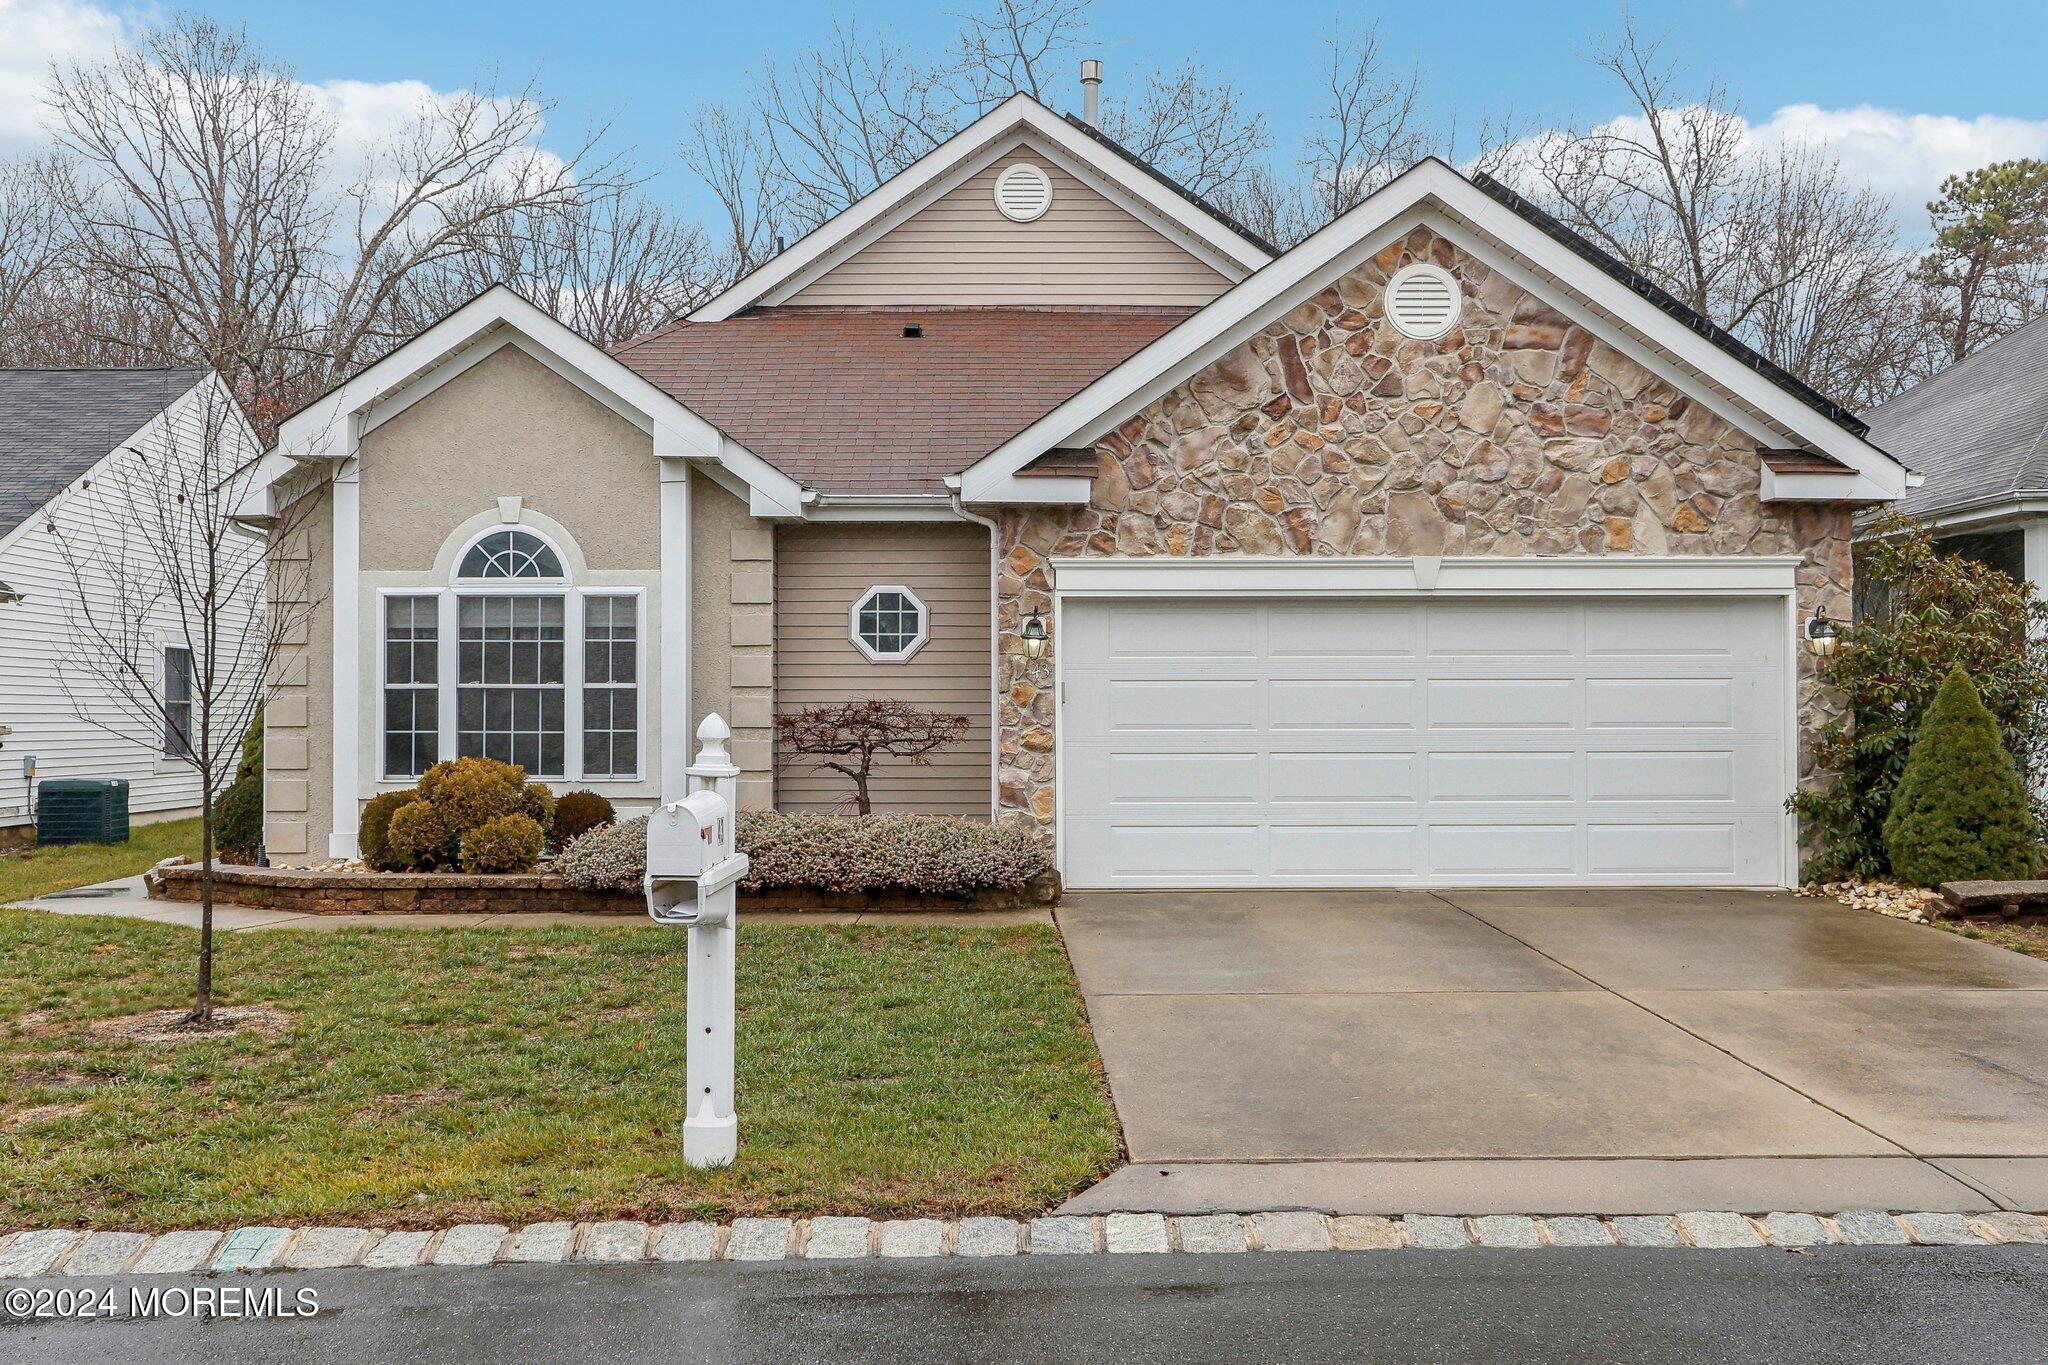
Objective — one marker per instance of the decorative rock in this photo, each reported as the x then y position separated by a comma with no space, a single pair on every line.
1291,1231
1134,1232
1641,1230
685,1241
981,1237
2013,1227
1795,1230
1061,1236
837,1239
32,1253
326,1248
251,1248
1364,1232
177,1253
541,1242
1719,1231
470,1244
1577,1232
913,1237
397,1249
1869,1228
616,1241
1211,1232
1434,1232
759,1239
1940,1229
104,1253
1503,1230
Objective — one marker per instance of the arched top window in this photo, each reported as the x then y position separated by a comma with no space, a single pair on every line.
510,553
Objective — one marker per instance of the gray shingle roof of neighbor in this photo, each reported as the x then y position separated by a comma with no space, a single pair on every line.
56,424
1978,430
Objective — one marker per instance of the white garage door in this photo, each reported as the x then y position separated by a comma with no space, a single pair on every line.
1375,742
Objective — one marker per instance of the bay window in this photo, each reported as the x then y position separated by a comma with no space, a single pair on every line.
515,662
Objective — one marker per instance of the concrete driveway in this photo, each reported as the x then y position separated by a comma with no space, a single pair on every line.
1545,1051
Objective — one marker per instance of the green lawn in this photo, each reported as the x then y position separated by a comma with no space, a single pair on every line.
39,871
429,1076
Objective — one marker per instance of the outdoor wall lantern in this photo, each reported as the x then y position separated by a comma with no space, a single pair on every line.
1822,635
1033,634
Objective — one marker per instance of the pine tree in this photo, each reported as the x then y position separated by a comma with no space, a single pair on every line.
1960,813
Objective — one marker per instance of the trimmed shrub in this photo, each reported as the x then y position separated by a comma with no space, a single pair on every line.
238,820
418,838
373,829
475,790
608,858
578,813
537,804
1961,810
504,843
933,854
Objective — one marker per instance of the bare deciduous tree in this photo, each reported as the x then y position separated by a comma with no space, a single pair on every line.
849,736
1369,131
31,250
177,617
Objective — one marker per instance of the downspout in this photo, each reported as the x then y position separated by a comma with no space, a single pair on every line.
995,646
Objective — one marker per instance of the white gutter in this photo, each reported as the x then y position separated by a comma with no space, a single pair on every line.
995,646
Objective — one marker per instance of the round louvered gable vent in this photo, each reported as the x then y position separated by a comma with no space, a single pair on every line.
1423,302
1023,193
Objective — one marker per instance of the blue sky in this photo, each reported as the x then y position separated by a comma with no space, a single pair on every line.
1955,90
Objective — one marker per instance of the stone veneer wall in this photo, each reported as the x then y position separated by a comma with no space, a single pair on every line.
1329,433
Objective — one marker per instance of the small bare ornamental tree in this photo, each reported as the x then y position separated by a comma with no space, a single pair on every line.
176,626
849,736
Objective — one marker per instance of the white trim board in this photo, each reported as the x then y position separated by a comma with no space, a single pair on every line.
953,161
1450,576
1609,308
332,426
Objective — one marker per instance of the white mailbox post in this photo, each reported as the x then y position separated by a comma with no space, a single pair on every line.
693,868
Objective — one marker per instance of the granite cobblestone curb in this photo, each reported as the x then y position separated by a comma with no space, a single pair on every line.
33,1252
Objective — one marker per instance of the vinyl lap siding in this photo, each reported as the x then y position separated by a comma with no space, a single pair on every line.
962,250
821,570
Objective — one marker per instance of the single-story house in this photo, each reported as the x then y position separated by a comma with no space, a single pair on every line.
1437,549
68,438
1978,432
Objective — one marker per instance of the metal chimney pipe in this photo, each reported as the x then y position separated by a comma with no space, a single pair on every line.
1091,90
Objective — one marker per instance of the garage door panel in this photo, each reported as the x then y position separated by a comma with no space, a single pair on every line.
1521,630
1487,775
1325,777
1660,703
1491,850
1312,852
1343,703
1340,630
1501,703
1631,740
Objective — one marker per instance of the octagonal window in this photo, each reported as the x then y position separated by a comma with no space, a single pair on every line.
890,623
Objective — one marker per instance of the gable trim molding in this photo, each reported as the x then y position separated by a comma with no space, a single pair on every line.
1433,194
1019,120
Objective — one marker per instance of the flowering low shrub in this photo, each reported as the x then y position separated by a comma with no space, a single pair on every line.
932,854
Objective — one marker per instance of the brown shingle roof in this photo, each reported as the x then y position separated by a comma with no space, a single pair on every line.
842,401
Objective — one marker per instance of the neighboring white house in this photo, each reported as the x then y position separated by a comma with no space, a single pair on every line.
67,438
1978,432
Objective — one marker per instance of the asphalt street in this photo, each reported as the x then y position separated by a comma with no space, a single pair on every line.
1866,1305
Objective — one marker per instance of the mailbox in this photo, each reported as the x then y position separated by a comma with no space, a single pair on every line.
691,865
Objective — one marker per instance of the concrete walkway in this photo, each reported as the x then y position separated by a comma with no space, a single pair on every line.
126,899
1570,1052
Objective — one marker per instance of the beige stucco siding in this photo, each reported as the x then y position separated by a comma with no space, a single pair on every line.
732,653
821,571
298,740
962,250
509,427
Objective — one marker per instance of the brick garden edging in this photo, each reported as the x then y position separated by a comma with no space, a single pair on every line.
430,893
64,1251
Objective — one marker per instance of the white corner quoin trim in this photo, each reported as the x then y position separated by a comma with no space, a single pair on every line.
959,157
1453,576
333,425
1432,194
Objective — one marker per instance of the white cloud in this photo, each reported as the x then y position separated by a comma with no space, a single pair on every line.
1904,155
33,34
